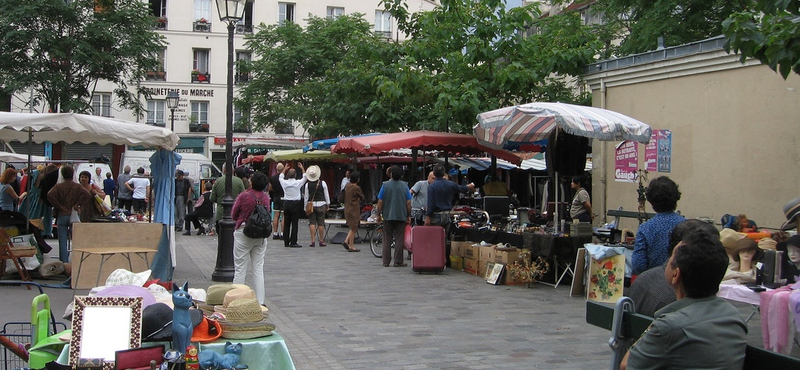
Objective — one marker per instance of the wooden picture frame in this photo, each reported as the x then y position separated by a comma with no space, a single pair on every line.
493,272
101,326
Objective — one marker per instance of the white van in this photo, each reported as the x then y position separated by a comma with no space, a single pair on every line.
196,167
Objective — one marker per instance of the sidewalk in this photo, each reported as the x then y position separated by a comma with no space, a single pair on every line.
340,310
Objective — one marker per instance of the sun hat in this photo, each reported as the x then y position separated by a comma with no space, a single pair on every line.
747,244
129,291
313,173
125,277
729,237
216,292
791,210
157,321
241,316
767,244
207,331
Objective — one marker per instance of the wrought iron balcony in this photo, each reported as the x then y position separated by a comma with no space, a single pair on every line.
244,28
156,76
200,26
201,78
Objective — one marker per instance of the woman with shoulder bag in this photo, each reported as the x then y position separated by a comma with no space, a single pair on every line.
249,253
90,209
316,195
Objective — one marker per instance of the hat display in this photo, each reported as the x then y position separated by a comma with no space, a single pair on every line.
729,237
157,322
791,210
767,244
125,277
216,292
129,291
312,173
244,318
746,244
207,331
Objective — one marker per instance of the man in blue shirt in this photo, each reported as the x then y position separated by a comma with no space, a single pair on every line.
651,247
442,194
394,209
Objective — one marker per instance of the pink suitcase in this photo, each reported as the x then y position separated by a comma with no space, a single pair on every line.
428,246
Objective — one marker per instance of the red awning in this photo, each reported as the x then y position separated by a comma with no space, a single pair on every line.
420,140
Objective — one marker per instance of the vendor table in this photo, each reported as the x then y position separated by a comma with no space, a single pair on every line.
489,236
266,353
368,225
561,250
106,253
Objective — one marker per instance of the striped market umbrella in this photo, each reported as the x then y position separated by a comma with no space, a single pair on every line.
532,122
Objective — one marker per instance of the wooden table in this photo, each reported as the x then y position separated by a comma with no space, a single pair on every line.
368,225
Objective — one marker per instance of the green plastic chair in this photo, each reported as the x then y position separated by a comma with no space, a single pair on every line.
45,345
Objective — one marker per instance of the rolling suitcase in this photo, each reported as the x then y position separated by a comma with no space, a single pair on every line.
428,244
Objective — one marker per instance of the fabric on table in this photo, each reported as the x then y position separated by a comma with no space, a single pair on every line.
775,320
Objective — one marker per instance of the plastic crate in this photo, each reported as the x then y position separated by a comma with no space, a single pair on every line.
20,333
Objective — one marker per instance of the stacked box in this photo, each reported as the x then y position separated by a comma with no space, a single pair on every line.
458,248
508,256
472,251
456,262
471,266
487,253
482,267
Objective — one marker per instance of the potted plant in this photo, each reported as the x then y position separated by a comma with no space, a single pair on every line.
202,20
162,20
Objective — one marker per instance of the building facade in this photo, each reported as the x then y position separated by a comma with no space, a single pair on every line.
195,65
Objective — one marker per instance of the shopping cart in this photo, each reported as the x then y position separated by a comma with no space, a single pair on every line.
16,337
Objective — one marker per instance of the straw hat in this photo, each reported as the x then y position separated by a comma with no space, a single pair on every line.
125,277
744,244
312,173
791,210
729,237
216,293
244,318
767,244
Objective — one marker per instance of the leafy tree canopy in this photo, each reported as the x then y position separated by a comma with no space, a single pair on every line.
60,49
639,23
770,33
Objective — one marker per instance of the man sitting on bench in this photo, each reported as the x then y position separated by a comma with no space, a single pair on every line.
699,330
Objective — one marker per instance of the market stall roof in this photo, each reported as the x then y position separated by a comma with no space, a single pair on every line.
421,140
269,144
328,143
538,163
74,127
295,155
480,164
21,158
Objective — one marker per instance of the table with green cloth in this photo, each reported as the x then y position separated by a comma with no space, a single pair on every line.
265,353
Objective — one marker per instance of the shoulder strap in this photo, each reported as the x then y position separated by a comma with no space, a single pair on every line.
258,201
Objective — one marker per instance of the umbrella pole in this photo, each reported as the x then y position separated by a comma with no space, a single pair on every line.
557,215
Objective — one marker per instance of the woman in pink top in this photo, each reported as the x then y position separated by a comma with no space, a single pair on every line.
248,253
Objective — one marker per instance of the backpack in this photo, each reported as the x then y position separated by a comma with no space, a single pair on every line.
259,223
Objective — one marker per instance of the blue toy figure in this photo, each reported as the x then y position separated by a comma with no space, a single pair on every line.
181,320
210,360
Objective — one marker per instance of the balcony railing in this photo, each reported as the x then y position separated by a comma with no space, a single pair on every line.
244,28
156,76
201,78
202,26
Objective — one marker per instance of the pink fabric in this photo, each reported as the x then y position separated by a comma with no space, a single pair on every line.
775,320
794,308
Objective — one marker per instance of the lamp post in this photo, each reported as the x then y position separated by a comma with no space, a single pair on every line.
172,103
230,12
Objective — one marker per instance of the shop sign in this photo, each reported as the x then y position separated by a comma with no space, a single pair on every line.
664,151
626,161
651,153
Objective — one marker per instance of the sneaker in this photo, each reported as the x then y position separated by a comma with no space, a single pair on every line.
201,230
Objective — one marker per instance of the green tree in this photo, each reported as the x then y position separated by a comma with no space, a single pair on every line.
288,77
59,50
770,33
639,23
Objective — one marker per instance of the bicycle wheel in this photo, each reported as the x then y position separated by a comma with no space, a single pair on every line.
376,244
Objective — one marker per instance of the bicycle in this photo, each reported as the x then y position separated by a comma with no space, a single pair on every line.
376,244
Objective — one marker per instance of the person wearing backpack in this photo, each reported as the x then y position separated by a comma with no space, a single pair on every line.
249,252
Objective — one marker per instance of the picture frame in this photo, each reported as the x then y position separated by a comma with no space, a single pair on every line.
493,272
101,326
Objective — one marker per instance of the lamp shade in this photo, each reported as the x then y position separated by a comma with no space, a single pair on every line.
172,99
231,10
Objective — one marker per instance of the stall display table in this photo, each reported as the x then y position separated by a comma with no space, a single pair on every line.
560,250
368,225
489,236
266,353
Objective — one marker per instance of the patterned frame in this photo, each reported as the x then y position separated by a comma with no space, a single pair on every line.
81,302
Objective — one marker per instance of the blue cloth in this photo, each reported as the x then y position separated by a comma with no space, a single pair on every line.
651,248
442,194
162,167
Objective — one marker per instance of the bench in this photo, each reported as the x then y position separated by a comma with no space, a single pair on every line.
633,325
619,213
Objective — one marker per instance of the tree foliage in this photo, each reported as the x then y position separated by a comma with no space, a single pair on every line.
770,33
459,59
639,23
60,49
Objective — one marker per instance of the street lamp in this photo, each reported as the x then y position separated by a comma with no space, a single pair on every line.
230,12
172,103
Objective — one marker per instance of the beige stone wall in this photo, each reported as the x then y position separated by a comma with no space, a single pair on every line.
735,142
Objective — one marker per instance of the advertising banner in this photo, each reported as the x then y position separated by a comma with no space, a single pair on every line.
664,151
651,153
626,161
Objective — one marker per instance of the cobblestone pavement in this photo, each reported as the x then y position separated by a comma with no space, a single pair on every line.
340,310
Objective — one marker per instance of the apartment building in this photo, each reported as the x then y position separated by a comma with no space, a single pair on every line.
195,65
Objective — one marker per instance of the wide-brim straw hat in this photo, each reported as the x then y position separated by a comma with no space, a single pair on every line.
767,244
791,210
729,237
312,173
216,293
242,310
247,330
745,244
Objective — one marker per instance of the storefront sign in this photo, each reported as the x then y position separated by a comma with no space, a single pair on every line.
664,150
626,161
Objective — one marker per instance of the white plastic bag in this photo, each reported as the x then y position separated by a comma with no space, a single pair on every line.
74,217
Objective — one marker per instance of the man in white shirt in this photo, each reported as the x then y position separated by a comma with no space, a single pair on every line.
419,199
140,186
292,203
98,177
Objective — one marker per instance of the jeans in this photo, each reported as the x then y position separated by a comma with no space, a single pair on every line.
64,230
180,210
248,261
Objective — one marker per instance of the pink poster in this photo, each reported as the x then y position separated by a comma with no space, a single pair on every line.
626,161
651,153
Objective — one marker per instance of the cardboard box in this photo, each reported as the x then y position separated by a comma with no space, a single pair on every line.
471,266
487,253
482,267
508,255
472,251
508,280
456,262
458,248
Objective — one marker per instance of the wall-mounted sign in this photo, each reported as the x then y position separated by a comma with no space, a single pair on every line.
626,161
